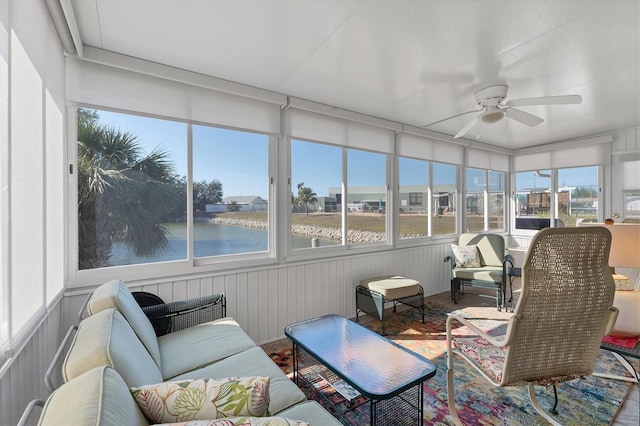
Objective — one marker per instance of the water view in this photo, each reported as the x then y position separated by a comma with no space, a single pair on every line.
209,240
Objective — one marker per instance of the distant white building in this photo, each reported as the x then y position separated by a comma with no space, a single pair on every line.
246,203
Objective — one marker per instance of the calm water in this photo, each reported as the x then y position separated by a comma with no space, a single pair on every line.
210,240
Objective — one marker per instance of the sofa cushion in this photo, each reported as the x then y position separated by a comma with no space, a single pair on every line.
115,294
204,399
466,256
107,339
253,362
312,413
99,396
487,273
201,345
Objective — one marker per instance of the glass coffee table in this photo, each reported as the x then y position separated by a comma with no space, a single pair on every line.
388,376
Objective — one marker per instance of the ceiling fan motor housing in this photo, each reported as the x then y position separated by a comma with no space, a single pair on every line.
491,96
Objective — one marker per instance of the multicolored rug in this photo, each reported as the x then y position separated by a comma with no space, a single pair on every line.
588,401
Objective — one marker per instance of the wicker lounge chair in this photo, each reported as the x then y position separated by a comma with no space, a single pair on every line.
564,311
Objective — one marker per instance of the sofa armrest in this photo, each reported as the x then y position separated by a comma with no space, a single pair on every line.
174,316
26,414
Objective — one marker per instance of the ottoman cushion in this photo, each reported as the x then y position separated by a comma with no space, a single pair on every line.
392,287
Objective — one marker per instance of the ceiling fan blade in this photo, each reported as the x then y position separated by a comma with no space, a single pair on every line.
523,117
466,128
449,118
547,100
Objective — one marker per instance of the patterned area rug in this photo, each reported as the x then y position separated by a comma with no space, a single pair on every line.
588,401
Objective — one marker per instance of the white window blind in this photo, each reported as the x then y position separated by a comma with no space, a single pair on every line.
487,160
319,127
630,175
425,148
106,86
571,157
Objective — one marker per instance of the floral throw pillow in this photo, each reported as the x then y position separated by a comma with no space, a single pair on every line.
204,399
466,256
242,421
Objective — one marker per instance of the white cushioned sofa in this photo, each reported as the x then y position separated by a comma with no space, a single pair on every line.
101,397
118,335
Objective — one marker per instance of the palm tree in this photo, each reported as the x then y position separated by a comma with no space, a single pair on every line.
121,193
306,196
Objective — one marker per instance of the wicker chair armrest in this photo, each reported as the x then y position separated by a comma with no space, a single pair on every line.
611,321
174,316
451,317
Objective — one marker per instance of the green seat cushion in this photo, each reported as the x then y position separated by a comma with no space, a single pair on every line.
392,287
486,273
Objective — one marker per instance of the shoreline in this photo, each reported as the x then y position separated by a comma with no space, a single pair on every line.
311,231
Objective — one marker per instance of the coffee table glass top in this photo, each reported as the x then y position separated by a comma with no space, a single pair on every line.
374,365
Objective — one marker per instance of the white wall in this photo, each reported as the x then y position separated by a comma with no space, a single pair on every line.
32,135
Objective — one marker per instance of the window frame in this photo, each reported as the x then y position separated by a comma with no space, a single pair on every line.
554,195
486,200
430,237
333,250
80,277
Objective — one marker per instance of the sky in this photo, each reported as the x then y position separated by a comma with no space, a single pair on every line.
245,171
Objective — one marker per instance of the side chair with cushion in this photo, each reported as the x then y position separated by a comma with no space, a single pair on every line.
564,311
479,260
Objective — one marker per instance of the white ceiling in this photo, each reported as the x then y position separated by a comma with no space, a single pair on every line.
414,62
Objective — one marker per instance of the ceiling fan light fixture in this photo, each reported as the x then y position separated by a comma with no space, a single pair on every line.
492,116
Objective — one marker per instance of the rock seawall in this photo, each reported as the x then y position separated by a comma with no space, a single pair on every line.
311,231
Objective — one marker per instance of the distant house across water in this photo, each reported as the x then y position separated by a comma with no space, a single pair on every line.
247,203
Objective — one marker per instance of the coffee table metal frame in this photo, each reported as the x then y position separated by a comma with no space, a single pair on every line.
387,375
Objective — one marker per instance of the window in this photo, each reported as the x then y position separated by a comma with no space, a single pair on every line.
366,196
444,192
631,200
484,200
475,202
577,195
533,199
316,189
414,190
496,193
230,192
131,189
415,199
318,205
573,198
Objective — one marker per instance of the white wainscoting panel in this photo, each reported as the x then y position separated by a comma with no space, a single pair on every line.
265,300
24,379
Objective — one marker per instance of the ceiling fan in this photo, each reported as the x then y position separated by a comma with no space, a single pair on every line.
492,110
